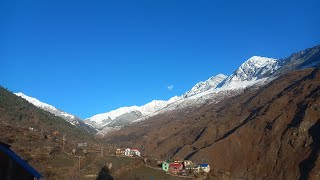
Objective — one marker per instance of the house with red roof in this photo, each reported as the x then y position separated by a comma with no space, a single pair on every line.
135,152
175,167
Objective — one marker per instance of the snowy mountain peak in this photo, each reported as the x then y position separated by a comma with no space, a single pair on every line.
200,87
250,71
254,65
259,60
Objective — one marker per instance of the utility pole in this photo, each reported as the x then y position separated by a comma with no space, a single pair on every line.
79,163
101,150
61,145
63,141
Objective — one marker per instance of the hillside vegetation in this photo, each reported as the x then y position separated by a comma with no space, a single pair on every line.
30,132
17,112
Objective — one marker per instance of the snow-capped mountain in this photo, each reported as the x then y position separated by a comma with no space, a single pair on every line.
126,115
47,107
256,71
132,113
200,87
250,72
303,59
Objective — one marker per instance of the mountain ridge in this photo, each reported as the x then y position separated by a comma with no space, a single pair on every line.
154,106
72,119
255,71
219,82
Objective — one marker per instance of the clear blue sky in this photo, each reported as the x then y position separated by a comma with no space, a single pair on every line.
89,57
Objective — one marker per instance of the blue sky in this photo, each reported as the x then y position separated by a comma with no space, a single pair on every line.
89,57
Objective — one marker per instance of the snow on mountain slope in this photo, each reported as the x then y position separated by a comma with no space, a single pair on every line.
152,106
104,119
101,120
66,116
255,71
112,114
250,71
200,87
69,117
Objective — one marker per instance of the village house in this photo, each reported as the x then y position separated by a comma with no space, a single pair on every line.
135,152
184,167
187,163
203,168
13,166
120,152
165,166
128,152
175,167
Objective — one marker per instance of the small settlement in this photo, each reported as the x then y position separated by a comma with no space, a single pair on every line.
185,167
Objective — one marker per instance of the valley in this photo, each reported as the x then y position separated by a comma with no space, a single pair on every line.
260,122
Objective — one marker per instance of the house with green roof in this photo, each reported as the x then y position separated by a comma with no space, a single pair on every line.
165,166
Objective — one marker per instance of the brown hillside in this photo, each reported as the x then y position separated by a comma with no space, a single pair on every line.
30,133
272,132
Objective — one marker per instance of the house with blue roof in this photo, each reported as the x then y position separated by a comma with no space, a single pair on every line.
204,167
12,166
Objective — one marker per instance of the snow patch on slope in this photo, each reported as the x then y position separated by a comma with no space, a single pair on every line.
200,87
250,71
103,119
254,71
50,108
154,106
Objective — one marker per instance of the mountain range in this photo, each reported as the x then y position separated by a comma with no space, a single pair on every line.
260,122
254,72
249,73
